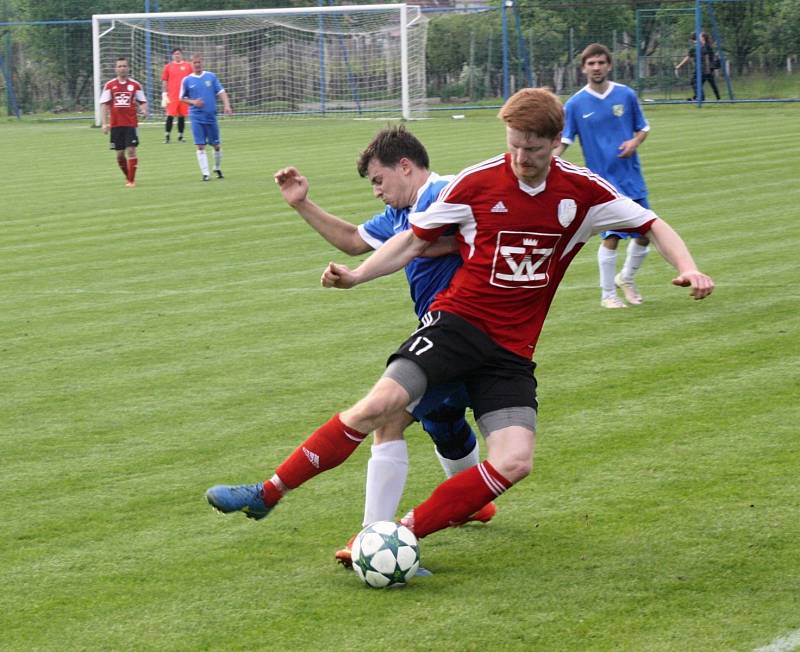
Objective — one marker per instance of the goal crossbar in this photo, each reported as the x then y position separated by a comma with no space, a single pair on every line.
285,61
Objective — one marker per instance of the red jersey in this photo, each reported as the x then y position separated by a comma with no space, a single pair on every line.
123,98
517,241
173,74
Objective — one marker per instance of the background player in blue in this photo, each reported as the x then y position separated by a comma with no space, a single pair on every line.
607,118
396,164
200,90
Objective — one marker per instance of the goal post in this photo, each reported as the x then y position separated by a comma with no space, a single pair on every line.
334,60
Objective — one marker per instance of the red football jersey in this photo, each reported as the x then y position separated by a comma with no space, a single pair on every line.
517,241
123,98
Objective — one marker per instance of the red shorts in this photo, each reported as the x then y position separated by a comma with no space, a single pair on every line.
178,109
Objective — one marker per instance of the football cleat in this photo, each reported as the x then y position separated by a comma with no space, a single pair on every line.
219,174
484,514
632,295
613,302
180,139
166,139
345,555
228,498
205,177
130,184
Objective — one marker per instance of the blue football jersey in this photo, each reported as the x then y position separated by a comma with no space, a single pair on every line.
205,87
426,276
603,123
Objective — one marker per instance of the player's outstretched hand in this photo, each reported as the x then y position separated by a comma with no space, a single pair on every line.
293,185
702,285
338,276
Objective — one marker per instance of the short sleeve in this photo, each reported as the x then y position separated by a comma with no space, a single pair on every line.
378,229
570,129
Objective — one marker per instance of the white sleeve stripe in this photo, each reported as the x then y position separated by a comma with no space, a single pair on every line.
586,172
366,237
484,165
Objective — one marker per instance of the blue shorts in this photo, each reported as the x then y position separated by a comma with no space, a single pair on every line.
642,201
205,133
454,393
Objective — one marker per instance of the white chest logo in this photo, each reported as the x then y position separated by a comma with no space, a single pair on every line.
123,99
567,209
522,259
618,110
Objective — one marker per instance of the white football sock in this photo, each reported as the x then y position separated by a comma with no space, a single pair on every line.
607,262
217,159
634,259
202,159
387,470
451,467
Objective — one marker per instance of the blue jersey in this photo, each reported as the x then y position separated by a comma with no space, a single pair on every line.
603,123
206,87
426,276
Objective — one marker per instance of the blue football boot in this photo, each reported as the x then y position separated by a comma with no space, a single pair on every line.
246,498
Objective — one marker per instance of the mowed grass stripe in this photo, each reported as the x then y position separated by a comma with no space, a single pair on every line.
189,343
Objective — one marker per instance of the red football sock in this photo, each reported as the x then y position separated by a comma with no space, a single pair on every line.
123,165
457,498
327,447
132,165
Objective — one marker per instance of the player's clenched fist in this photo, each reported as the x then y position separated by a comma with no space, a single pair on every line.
338,276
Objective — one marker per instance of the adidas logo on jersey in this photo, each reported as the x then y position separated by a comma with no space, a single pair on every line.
499,207
312,457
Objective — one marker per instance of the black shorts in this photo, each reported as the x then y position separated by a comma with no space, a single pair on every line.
123,137
447,347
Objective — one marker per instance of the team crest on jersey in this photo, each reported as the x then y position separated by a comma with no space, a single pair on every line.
208,83
567,209
522,259
130,87
618,109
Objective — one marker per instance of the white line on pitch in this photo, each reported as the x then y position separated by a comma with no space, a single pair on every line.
787,643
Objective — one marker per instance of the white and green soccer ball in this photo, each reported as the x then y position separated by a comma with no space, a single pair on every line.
385,554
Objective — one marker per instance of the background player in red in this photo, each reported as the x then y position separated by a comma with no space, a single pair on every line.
171,79
522,217
122,98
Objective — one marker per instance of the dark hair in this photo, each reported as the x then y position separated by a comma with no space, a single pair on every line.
125,59
389,146
534,111
595,50
174,50
705,37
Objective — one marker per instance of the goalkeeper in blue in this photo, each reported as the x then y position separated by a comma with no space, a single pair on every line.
609,122
396,165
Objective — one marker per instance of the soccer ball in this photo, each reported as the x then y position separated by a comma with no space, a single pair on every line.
385,554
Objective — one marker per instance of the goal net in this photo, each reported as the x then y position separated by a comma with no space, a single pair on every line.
346,60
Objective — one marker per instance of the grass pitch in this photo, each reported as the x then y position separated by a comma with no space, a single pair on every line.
160,340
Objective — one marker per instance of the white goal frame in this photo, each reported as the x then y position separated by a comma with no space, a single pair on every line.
409,15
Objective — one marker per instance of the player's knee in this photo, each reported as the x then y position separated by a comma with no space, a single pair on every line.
453,439
516,468
384,401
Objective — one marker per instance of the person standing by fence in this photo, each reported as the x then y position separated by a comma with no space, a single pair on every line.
710,63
